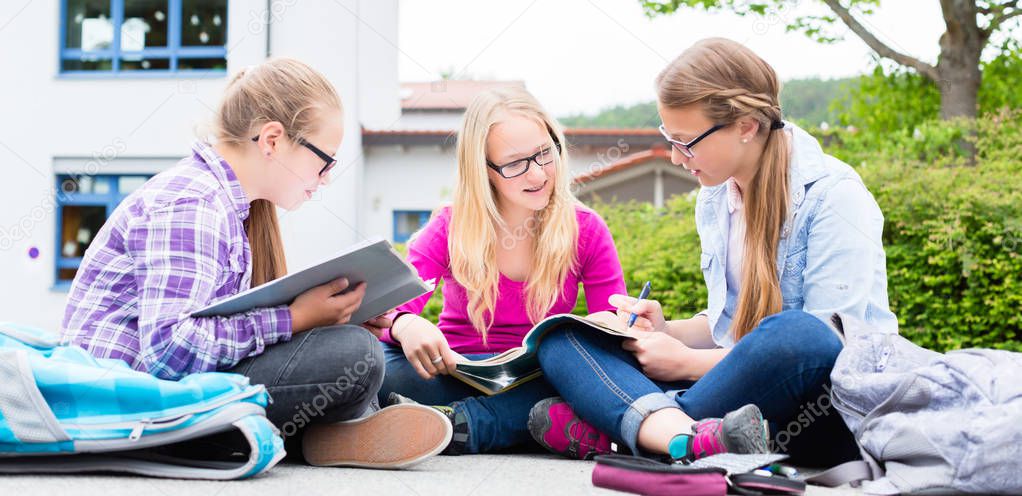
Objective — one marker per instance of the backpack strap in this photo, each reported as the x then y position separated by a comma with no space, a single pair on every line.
852,473
24,413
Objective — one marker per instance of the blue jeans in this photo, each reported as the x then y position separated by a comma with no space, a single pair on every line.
783,367
494,422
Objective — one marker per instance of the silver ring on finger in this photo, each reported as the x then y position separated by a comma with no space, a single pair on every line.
437,360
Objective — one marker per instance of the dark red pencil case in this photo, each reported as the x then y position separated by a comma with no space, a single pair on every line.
649,477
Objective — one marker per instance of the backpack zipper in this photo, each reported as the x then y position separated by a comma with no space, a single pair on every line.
139,427
847,408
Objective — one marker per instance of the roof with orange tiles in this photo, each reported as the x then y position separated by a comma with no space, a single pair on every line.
446,94
658,152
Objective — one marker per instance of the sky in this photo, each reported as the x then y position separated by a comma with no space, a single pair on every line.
579,56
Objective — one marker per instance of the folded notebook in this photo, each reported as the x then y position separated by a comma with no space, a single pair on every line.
390,281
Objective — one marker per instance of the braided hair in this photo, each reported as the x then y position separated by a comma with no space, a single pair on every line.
728,81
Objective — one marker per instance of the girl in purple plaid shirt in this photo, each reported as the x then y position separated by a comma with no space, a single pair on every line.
207,229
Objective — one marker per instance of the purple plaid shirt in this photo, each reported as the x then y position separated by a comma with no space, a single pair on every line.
172,247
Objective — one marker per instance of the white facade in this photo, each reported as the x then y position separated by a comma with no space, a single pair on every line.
428,120
399,178
53,123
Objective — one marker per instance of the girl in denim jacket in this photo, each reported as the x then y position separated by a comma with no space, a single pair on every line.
789,236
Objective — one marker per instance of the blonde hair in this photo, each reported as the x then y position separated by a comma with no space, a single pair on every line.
475,219
729,82
278,90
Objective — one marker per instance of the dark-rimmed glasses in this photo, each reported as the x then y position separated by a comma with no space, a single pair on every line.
330,161
686,148
518,167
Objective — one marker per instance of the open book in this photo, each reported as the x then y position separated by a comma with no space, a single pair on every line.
518,365
390,281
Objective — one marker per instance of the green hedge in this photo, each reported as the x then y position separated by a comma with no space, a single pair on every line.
953,233
660,246
953,236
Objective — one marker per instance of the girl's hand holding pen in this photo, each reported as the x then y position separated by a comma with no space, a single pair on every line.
649,314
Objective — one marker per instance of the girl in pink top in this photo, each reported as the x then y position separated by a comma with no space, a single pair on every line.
510,251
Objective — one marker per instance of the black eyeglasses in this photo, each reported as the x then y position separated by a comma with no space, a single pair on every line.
330,161
686,148
514,169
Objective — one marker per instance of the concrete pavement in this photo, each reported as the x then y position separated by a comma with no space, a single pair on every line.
474,475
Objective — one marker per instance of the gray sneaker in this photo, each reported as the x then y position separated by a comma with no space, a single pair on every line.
746,431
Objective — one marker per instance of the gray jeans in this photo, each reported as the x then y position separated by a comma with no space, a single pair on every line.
327,374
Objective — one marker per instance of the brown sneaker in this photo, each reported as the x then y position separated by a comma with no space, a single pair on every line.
398,436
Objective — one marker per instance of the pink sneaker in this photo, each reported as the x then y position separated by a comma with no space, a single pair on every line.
555,426
707,425
741,431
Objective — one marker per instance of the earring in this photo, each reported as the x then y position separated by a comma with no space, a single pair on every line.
745,140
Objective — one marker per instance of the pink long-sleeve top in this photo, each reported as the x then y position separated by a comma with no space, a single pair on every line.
597,269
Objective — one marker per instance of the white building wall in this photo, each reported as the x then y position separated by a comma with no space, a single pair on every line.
404,178
426,121
336,38
589,161
378,85
48,118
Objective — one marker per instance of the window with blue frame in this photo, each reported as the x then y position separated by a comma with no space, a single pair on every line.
406,222
83,205
143,37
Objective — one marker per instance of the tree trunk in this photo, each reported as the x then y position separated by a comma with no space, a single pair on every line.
958,73
959,81
958,70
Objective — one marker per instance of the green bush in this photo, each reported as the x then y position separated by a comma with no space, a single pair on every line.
887,100
953,237
660,246
933,143
1000,79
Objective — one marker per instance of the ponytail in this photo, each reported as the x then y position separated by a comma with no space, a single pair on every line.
263,231
766,207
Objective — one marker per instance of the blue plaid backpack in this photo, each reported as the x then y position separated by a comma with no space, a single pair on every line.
62,410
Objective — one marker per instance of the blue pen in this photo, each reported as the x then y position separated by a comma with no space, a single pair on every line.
642,295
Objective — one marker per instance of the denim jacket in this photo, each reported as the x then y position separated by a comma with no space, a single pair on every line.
830,257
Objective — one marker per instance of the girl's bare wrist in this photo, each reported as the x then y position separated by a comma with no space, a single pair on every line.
395,328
